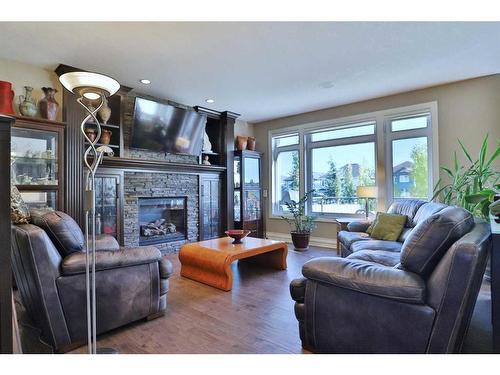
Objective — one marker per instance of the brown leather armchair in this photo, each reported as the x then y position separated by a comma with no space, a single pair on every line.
49,268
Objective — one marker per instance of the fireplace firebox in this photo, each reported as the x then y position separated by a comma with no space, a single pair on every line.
162,220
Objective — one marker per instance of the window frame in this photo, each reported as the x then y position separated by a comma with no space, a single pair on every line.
383,170
274,152
310,146
391,136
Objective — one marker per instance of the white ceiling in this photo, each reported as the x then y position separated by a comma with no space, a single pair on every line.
263,70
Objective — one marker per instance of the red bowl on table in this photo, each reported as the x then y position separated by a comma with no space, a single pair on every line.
237,234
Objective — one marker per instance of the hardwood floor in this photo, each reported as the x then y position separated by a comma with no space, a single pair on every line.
255,317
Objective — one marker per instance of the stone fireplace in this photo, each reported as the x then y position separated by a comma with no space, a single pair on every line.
160,209
162,220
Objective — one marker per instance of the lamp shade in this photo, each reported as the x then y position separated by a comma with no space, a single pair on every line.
366,191
90,85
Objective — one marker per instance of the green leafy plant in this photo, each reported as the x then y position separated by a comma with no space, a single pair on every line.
299,222
471,186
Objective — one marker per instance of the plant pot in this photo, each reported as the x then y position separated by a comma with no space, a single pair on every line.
300,240
241,143
251,143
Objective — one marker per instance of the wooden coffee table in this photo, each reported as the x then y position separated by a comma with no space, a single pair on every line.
209,262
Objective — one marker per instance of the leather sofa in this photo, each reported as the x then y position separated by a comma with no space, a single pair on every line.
48,259
414,295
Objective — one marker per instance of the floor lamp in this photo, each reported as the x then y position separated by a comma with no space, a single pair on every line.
91,89
367,192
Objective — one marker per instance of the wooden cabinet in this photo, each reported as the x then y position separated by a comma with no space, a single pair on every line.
248,192
38,162
210,207
108,196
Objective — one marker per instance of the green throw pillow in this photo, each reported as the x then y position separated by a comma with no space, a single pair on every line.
388,227
370,228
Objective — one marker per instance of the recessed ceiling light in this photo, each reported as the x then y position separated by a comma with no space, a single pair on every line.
145,81
326,85
210,100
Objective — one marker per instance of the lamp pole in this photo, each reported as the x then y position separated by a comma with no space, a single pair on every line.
90,87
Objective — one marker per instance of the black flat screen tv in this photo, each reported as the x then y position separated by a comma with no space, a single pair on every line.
165,128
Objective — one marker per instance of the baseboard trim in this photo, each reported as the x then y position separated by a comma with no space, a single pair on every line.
330,243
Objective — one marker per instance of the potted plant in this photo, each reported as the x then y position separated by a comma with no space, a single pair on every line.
471,186
301,225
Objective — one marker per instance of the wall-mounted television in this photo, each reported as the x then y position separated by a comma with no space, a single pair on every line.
165,128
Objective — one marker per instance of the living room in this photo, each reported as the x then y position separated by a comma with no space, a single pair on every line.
210,188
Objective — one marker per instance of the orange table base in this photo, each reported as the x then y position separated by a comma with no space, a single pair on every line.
209,262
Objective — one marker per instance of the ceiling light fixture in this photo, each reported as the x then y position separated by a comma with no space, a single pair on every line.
326,85
145,81
210,100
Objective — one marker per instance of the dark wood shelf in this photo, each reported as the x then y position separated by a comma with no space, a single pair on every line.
103,125
102,144
157,165
37,120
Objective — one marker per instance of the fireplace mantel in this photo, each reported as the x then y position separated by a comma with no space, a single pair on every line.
159,166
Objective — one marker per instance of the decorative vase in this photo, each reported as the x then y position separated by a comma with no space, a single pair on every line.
6,98
105,111
106,136
49,105
241,143
27,105
300,240
91,134
251,143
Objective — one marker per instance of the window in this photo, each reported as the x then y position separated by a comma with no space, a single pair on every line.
339,161
409,156
335,157
286,168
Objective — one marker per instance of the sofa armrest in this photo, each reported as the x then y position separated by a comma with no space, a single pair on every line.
359,226
366,277
108,259
298,289
106,242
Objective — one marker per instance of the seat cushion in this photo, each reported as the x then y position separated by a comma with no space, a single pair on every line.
431,238
385,258
407,207
348,238
106,242
372,244
61,229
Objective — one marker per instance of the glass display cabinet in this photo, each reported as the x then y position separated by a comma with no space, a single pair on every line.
210,207
108,197
37,161
248,192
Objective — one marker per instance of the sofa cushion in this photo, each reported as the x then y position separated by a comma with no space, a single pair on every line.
388,226
428,209
393,246
404,234
385,258
61,229
348,238
367,277
359,225
407,207
430,239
